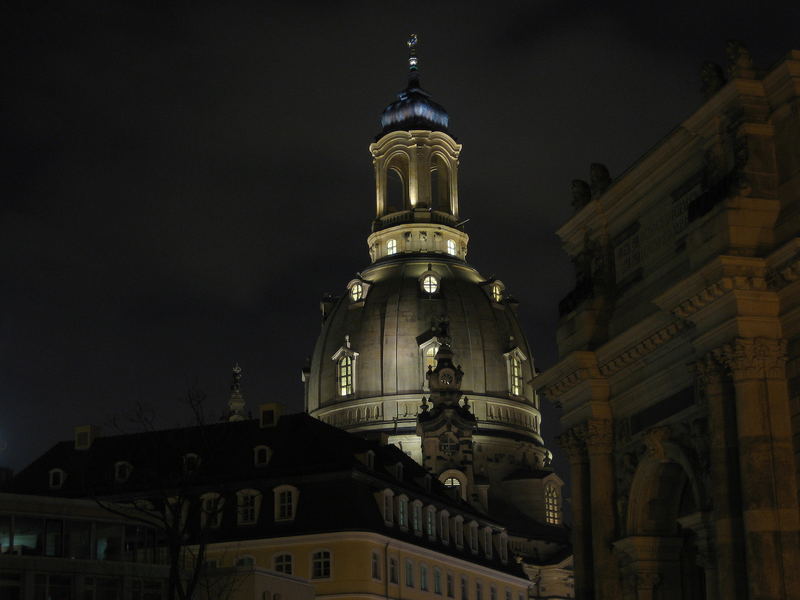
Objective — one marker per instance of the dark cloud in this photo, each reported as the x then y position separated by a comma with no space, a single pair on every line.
182,181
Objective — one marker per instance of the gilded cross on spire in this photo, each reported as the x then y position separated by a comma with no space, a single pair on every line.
412,52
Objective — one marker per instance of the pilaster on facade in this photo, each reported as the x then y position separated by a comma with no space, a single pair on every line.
577,386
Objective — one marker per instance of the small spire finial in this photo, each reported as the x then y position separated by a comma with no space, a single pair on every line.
412,52
236,401
237,378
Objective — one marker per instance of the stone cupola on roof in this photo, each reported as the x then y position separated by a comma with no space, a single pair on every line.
413,108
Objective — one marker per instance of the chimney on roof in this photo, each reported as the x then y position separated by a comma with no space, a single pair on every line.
270,414
85,436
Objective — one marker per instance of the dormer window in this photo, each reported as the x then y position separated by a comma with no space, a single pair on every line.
551,508
191,462
402,512
122,471
391,247
473,537
248,503
398,471
261,456
370,460
56,478
516,380
286,497
356,292
444,526
497,292
388,507
487,542
416,517
345,369
430,284
211,510
430,522
451,247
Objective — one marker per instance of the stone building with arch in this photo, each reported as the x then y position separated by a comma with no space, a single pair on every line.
679,350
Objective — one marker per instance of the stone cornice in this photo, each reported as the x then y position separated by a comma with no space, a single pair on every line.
643,347
572,370
784,265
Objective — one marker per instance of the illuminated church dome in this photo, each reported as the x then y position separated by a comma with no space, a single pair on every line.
380,337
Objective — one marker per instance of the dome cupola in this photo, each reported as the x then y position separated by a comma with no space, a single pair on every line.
413,108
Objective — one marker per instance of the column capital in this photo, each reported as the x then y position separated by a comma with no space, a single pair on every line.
753,358
600,436
573,440
707,370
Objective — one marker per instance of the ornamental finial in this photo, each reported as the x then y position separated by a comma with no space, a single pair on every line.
237,378
236,401
412,52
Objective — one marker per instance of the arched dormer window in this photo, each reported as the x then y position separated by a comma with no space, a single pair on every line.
191,462
122,471
211,510
430,283
286,498
391,247
552,512
402,511
430,522
345,371
516,379
357,291
261,456
473,537
248,505
444,526
451,247
56,478
416,517
388,506
455,480
487,542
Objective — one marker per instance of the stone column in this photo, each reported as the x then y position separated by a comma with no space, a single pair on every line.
650,566
724,465
574,442
600,444
700,523
766,464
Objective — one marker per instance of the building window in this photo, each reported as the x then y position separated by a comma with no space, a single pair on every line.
430,284
487,542
448,446
392,570
429,358
321,564
370,460
478,590
473,537
492,593
444,527
388,506
376,566
344,375
416,517
245,561
423,578
283,563
247,507
285,502
261,456
451,592
391,247
122,471
56,478
191,462
437,581
430,522
464,589
402,511
409,574
356,292
211,510
459,532
497,293
451,247
551,504
516,376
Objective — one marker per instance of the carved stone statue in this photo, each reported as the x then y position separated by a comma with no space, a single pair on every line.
740,63
581,194
712,78
600,178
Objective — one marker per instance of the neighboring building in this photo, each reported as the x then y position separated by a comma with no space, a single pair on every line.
301,498
368,372
679,352
59,549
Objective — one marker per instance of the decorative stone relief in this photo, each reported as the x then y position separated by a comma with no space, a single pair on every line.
600,436
754,358
574,442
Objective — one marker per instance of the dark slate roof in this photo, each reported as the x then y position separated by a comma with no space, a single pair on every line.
414,109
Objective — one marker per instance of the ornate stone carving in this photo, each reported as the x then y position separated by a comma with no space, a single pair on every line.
712,77
600,178
646,346
754,358
599,436
716,290
581,194
574,442
740,63
654,442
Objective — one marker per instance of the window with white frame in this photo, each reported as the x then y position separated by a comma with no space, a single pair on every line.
356,292
247,505
261,456
409,569
402,511
56,478
551,509
496,292
391,247
516,376
211,510
376,566
451,247
430,284
122,471
344,375
416,517
423,577
283,563
430,522
388,507
286,497
321,564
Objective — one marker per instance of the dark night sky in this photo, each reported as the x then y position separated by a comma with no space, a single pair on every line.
182,181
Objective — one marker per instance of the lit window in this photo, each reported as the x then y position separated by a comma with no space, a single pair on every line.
357,292
451,247
345,376
56,479
376,566
452,482
283,563
430,284
122,471
430,357
497,293
391,247
261,455
516,376
409,574
285,502
211,510
551,505
247,507
423,578
321,564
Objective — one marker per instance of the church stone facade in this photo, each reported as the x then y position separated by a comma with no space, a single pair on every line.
679,352
374,368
